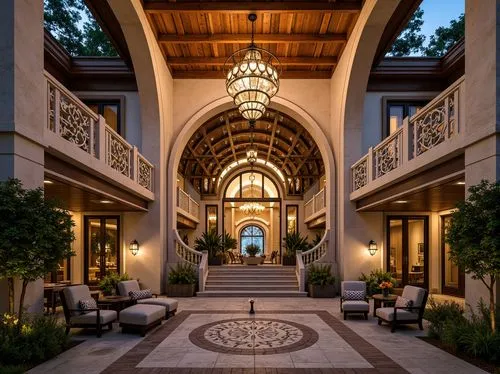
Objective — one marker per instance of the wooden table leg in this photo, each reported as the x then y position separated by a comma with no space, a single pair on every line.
376,304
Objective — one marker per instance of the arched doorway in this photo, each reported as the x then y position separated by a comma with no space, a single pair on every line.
252,235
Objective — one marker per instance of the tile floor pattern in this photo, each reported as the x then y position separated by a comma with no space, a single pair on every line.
353,346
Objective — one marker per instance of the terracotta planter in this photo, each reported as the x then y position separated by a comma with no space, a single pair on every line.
181,290
253,260
322,291
289,260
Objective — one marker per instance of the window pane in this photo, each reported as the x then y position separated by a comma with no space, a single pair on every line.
252,235
416,252
94,239
396,249
291,219
396,115
414,109
94,108
110,114
111,246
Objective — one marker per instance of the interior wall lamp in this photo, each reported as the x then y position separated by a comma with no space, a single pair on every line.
134,247
372,247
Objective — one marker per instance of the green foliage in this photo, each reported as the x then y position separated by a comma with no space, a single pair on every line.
438,313
316,240
252,249
474,239
320,275
109,283
446,37
473,336
374,279
228,242
410,41
211,242
62,17
294,242
33,240
31,340
184,273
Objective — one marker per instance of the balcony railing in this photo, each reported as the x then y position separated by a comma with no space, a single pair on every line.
433,125
315,205
186,203
70,119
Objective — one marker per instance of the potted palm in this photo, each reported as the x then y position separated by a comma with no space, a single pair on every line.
212,243
292,243
252,258
182,280
228,244
321,281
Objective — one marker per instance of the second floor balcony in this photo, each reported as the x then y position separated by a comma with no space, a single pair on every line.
188,209
432,136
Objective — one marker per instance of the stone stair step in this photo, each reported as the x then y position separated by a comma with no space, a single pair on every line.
253,294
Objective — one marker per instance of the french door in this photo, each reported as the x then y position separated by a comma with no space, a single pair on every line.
408,250
452,277
102,247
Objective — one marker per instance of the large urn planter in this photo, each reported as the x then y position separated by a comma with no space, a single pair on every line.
254,260
318,291
181,290
289,260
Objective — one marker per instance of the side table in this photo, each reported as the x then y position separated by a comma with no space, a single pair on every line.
380,300
117,303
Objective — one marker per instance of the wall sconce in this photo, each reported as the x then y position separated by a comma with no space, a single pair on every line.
134,247
372,247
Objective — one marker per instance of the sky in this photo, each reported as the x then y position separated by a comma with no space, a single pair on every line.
439,13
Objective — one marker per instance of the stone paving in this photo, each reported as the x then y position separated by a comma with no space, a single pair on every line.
289,335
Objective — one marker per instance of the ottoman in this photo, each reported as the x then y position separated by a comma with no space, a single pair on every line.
141,317
168,303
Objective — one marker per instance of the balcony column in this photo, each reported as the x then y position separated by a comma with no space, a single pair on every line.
22,110
482,70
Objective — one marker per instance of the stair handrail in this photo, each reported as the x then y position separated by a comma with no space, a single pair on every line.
317,252
300,272
192,256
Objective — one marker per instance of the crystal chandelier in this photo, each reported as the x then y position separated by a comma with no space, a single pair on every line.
252,78
252,208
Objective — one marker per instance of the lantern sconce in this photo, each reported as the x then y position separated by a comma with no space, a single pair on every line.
134,247
372,247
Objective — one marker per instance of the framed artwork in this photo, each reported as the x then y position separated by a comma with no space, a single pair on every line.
211,223
420,248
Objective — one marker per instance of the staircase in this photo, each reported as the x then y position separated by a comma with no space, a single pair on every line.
251,281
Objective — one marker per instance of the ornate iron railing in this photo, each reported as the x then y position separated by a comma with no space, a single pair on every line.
433,125
72,120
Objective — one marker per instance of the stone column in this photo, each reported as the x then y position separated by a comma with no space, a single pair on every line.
482,155
22,109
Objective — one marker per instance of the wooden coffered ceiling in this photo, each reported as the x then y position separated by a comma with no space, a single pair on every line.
196,37
224,139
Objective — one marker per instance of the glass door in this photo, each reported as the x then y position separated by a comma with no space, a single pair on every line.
407,240
102,244
452,278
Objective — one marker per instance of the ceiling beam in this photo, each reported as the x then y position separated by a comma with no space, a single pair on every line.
244,7
245,38
217,74
276,115
209,143
220,61
228,128
200,162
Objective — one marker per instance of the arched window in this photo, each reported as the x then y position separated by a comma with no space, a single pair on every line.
252,235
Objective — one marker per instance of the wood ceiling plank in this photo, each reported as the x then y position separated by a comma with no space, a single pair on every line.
230,135
243,7
209,74
219,61
282,38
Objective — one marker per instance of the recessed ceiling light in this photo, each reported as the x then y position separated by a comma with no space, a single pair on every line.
400,201
105,201
461,183
46,181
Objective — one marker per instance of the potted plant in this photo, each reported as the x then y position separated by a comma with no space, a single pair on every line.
109,283
375,279
321,281
212,243
182,280
228,244
293,242
252,251
386,288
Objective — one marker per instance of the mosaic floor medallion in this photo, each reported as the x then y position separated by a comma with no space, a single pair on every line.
253,336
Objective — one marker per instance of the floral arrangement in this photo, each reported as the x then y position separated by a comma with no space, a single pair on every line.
386,285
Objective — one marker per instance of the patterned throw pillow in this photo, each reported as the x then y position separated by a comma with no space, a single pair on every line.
142,294
87,304
403,302
354,295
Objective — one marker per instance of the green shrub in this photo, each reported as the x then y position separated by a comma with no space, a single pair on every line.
294,242
109,283
320,275
210,242
374,279
438,313
183,273
252,249
31,341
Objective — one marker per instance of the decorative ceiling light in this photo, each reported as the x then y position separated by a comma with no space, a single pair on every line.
251,150
252,78
252,209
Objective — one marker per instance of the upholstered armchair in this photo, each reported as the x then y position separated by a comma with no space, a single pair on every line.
353,298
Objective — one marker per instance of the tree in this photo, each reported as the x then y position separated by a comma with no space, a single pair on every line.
446,37
474,237
72,24
34,238
410,40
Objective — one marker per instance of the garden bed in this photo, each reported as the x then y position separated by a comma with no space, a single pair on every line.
482,364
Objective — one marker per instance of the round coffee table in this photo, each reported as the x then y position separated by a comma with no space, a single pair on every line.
380,300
